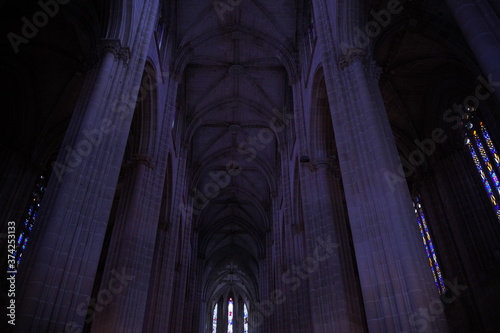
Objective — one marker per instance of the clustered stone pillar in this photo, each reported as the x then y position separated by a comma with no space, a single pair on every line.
297,299
63,257
236,310
395,278
205,318
57,277
179,273
131,250
157,316
262,319
322,268
297,296
221,325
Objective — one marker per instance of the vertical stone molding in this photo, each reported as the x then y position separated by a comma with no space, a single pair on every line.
222,313
162,298
72,217
352,55
57,279
115,48
158,292
131,251
323,266
395,278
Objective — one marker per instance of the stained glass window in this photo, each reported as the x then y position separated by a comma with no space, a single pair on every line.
484,155
26,227
245,319
214,320
428,245
230,316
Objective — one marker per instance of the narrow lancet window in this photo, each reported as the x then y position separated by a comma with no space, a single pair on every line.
245,319
214,318
484,155
429,245
230,316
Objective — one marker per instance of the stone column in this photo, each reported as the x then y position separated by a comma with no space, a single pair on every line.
221,327
182,266
395,279
160,292
322,268
236,314
62,260
262,322
56,281
297,296
205,319
193,295
131,250
484,39
240,321
224,317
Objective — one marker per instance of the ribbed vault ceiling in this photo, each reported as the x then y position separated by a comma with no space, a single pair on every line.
236,64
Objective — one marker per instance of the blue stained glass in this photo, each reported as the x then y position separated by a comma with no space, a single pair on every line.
27,227
485,181
230,316
490,145
487,162
484,154
429,246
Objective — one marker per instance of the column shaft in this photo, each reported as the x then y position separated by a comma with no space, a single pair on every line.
131,253
58,276
323,268
395,279
62,260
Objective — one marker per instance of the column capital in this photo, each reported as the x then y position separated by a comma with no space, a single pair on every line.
114,47
352,55
141,159
329,164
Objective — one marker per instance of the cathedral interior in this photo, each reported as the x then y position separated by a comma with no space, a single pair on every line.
250,166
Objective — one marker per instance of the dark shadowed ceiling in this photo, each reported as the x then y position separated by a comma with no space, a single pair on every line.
236,64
